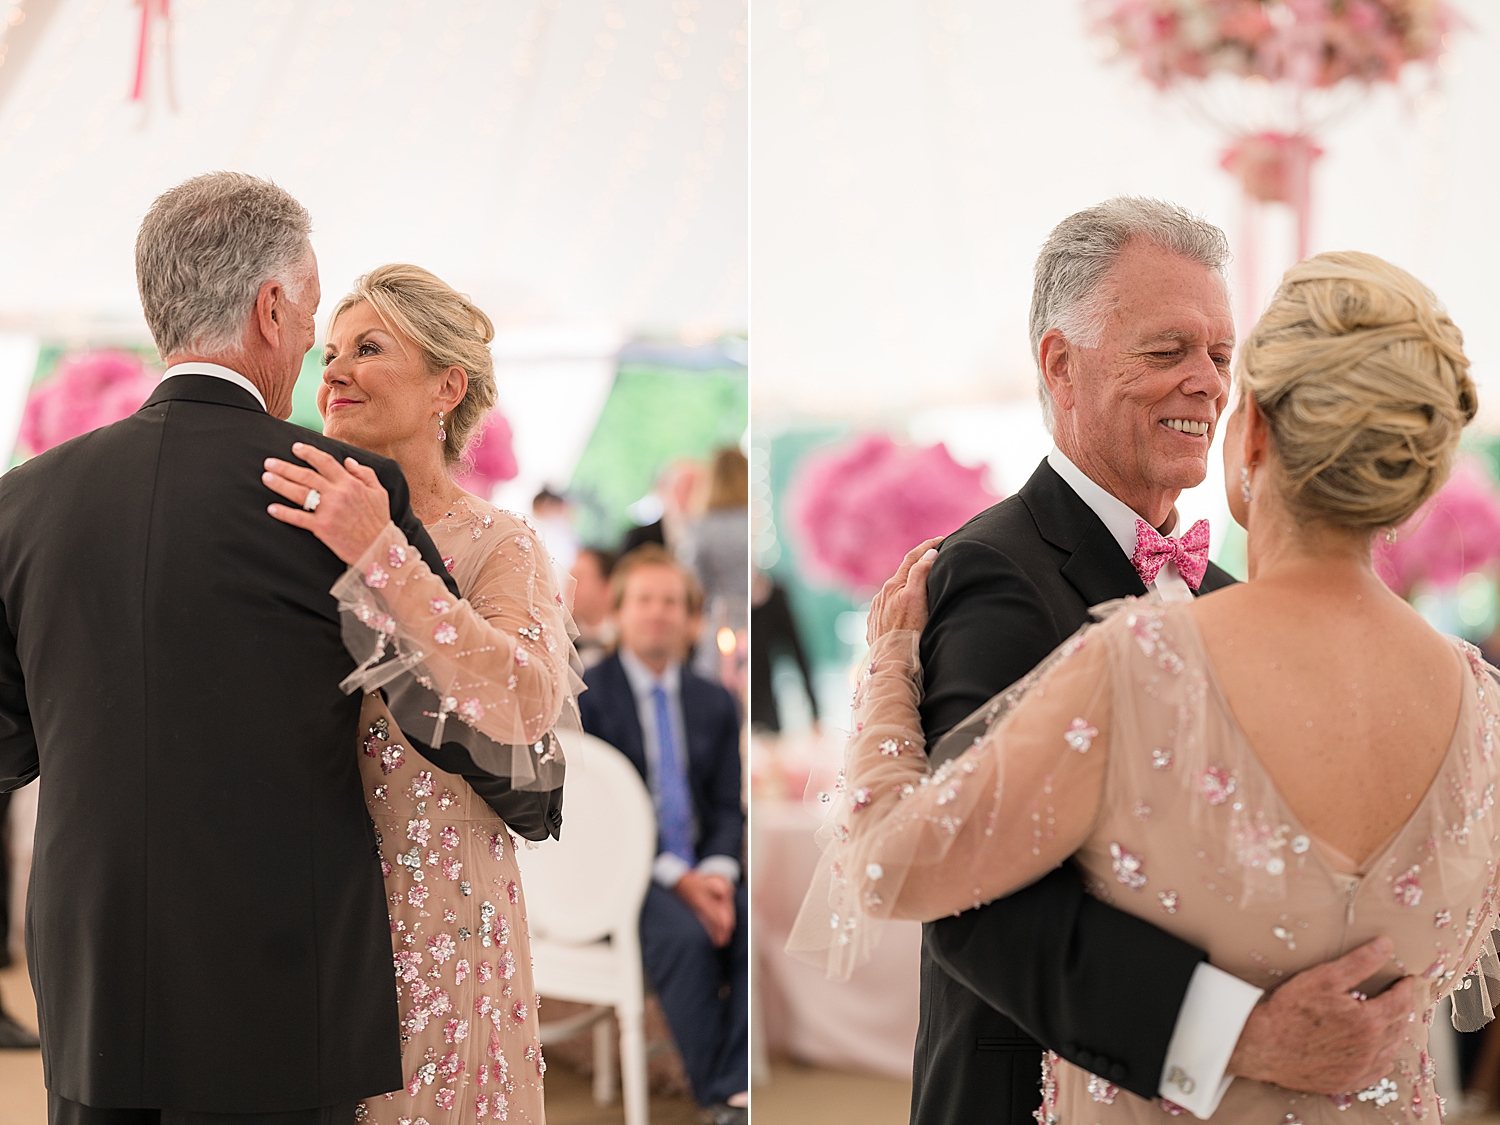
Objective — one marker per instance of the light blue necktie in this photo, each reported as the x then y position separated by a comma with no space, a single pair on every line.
674,803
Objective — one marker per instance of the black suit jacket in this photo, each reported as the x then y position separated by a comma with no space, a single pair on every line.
713,737
1049,964
206,925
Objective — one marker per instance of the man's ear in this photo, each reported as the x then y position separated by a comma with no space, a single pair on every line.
270,312
1055,358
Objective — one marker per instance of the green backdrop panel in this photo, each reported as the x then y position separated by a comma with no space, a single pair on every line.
653,415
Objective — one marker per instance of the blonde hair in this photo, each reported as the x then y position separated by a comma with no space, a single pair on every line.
1363,380
450,330
728,480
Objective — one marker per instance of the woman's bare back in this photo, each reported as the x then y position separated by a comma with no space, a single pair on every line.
1347,696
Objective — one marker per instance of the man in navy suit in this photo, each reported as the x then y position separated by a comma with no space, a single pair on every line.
682,733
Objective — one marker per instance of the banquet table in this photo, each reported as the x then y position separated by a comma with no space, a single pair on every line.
867,1023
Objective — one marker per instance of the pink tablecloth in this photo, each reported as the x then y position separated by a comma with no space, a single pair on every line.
868,1023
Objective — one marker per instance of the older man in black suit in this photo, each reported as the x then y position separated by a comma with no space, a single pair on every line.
206,929
682,733
1132,335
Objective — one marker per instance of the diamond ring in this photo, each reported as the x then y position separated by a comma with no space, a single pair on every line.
314,498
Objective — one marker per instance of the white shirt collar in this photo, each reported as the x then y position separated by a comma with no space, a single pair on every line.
218,372
643,681
1113,512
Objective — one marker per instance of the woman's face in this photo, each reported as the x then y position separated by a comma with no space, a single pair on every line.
377,392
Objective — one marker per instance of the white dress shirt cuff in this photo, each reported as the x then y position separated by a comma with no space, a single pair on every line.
669,868
723,865
1208,1026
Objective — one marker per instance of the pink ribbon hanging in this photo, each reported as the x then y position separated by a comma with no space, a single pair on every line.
1272,167
152,10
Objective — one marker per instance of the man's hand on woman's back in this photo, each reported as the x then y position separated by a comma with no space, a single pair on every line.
1314,1034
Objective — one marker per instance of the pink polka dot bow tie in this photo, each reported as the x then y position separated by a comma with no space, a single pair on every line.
1189,551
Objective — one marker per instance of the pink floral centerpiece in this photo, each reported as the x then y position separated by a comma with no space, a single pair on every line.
1453,534
858,508
88,390
490,458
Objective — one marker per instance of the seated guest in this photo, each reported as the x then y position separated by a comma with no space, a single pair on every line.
591,608
682,733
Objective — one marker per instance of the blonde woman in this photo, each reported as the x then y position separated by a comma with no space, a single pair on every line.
488,679
1277,772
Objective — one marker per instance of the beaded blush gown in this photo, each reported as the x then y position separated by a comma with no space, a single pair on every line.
496,672
1121,751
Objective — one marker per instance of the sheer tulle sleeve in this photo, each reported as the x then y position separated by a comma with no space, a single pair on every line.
906,842
495,671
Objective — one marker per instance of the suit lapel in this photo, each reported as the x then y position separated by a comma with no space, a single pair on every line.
631,742
1096,566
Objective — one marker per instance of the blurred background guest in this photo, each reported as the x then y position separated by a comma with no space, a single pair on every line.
715,545
682,733
592,612
665,512
775,633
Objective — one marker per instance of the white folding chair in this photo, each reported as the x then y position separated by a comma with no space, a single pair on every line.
583,907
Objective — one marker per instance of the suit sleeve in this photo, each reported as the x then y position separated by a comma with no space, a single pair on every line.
1100,987
725,835
19,762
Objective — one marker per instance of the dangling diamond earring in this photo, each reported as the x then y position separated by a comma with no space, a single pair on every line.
1245,483
1390,535
442,433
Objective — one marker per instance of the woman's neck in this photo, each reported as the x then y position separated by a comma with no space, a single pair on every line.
433,491
1285,546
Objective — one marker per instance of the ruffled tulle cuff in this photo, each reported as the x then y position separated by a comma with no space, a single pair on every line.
449,677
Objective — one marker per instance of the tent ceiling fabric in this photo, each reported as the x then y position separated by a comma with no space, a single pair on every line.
911,156
579,163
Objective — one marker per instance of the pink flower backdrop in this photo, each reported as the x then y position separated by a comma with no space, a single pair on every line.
1454,534
857,508
88,390
94,388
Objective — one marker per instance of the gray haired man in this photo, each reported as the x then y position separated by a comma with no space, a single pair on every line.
1132,335
206,927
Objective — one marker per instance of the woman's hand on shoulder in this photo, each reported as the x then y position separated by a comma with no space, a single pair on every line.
353,507
902,601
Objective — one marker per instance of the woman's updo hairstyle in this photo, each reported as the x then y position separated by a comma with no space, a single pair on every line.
1363,380
450,330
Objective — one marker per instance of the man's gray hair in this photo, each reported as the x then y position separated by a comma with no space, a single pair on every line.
1067,289
205,249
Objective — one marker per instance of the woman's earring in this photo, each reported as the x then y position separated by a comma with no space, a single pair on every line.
1245,483
1390,535
442,433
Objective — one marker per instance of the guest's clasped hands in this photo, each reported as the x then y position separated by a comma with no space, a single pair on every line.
353,507
711,898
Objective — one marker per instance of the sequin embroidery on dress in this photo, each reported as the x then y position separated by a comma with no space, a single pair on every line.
461,958
1181,825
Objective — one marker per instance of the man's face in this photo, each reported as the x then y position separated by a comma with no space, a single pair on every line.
653,614
1142,405
591,594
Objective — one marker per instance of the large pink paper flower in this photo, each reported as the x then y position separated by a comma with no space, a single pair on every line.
491,456
88,390
858,508
1455,532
